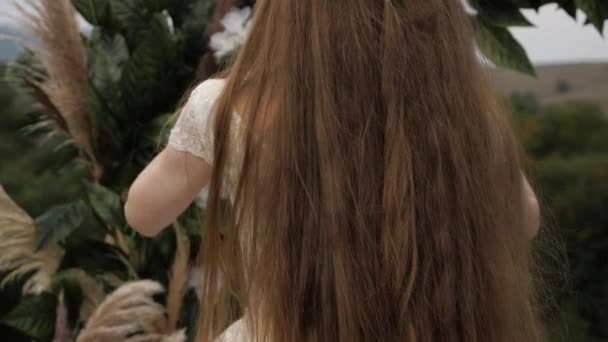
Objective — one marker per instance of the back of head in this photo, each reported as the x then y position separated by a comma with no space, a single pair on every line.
382,200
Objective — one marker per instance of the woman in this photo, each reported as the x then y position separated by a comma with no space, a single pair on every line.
375,184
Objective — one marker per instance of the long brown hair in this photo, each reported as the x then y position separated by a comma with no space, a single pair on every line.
380,197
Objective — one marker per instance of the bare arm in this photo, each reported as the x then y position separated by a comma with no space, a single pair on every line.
531,210
164,189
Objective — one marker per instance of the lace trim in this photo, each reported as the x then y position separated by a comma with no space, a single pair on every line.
193,132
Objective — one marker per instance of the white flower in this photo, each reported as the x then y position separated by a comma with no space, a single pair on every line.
236,25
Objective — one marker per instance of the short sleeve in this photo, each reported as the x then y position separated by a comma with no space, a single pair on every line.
193,130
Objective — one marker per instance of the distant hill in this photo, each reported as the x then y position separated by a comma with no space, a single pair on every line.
559,83
8,48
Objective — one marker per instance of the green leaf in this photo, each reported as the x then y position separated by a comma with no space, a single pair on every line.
96,12
147,71
107,57
107,204
497,44
34,316
104,120
96,258
59,222
596,11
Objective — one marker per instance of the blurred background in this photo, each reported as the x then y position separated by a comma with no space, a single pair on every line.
86,91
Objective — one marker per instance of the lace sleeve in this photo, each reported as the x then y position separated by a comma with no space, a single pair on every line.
193,130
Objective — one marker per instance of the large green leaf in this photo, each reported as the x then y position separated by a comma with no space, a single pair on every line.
108,53
596,10
26,67
106,204
97,258
107,57
108,135
96,12
149,70
34,316
191,26
59,222
129,17
497,44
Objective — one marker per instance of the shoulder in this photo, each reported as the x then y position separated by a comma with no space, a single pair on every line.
208,91
200,101
193,129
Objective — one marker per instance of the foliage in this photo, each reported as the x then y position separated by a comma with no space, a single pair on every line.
32,316
567,149
38,163
141,58
493,17
19,258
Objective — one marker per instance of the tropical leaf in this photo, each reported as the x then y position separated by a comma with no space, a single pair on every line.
192,26
25,69
132,18
155,133
59,222
18,259
147,70
107,56
497,44
596,11
104,120
96,12
98,259
34,316
106,204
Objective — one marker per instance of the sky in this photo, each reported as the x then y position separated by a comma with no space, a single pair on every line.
556,37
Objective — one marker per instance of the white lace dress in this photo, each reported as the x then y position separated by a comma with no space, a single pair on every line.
193,133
